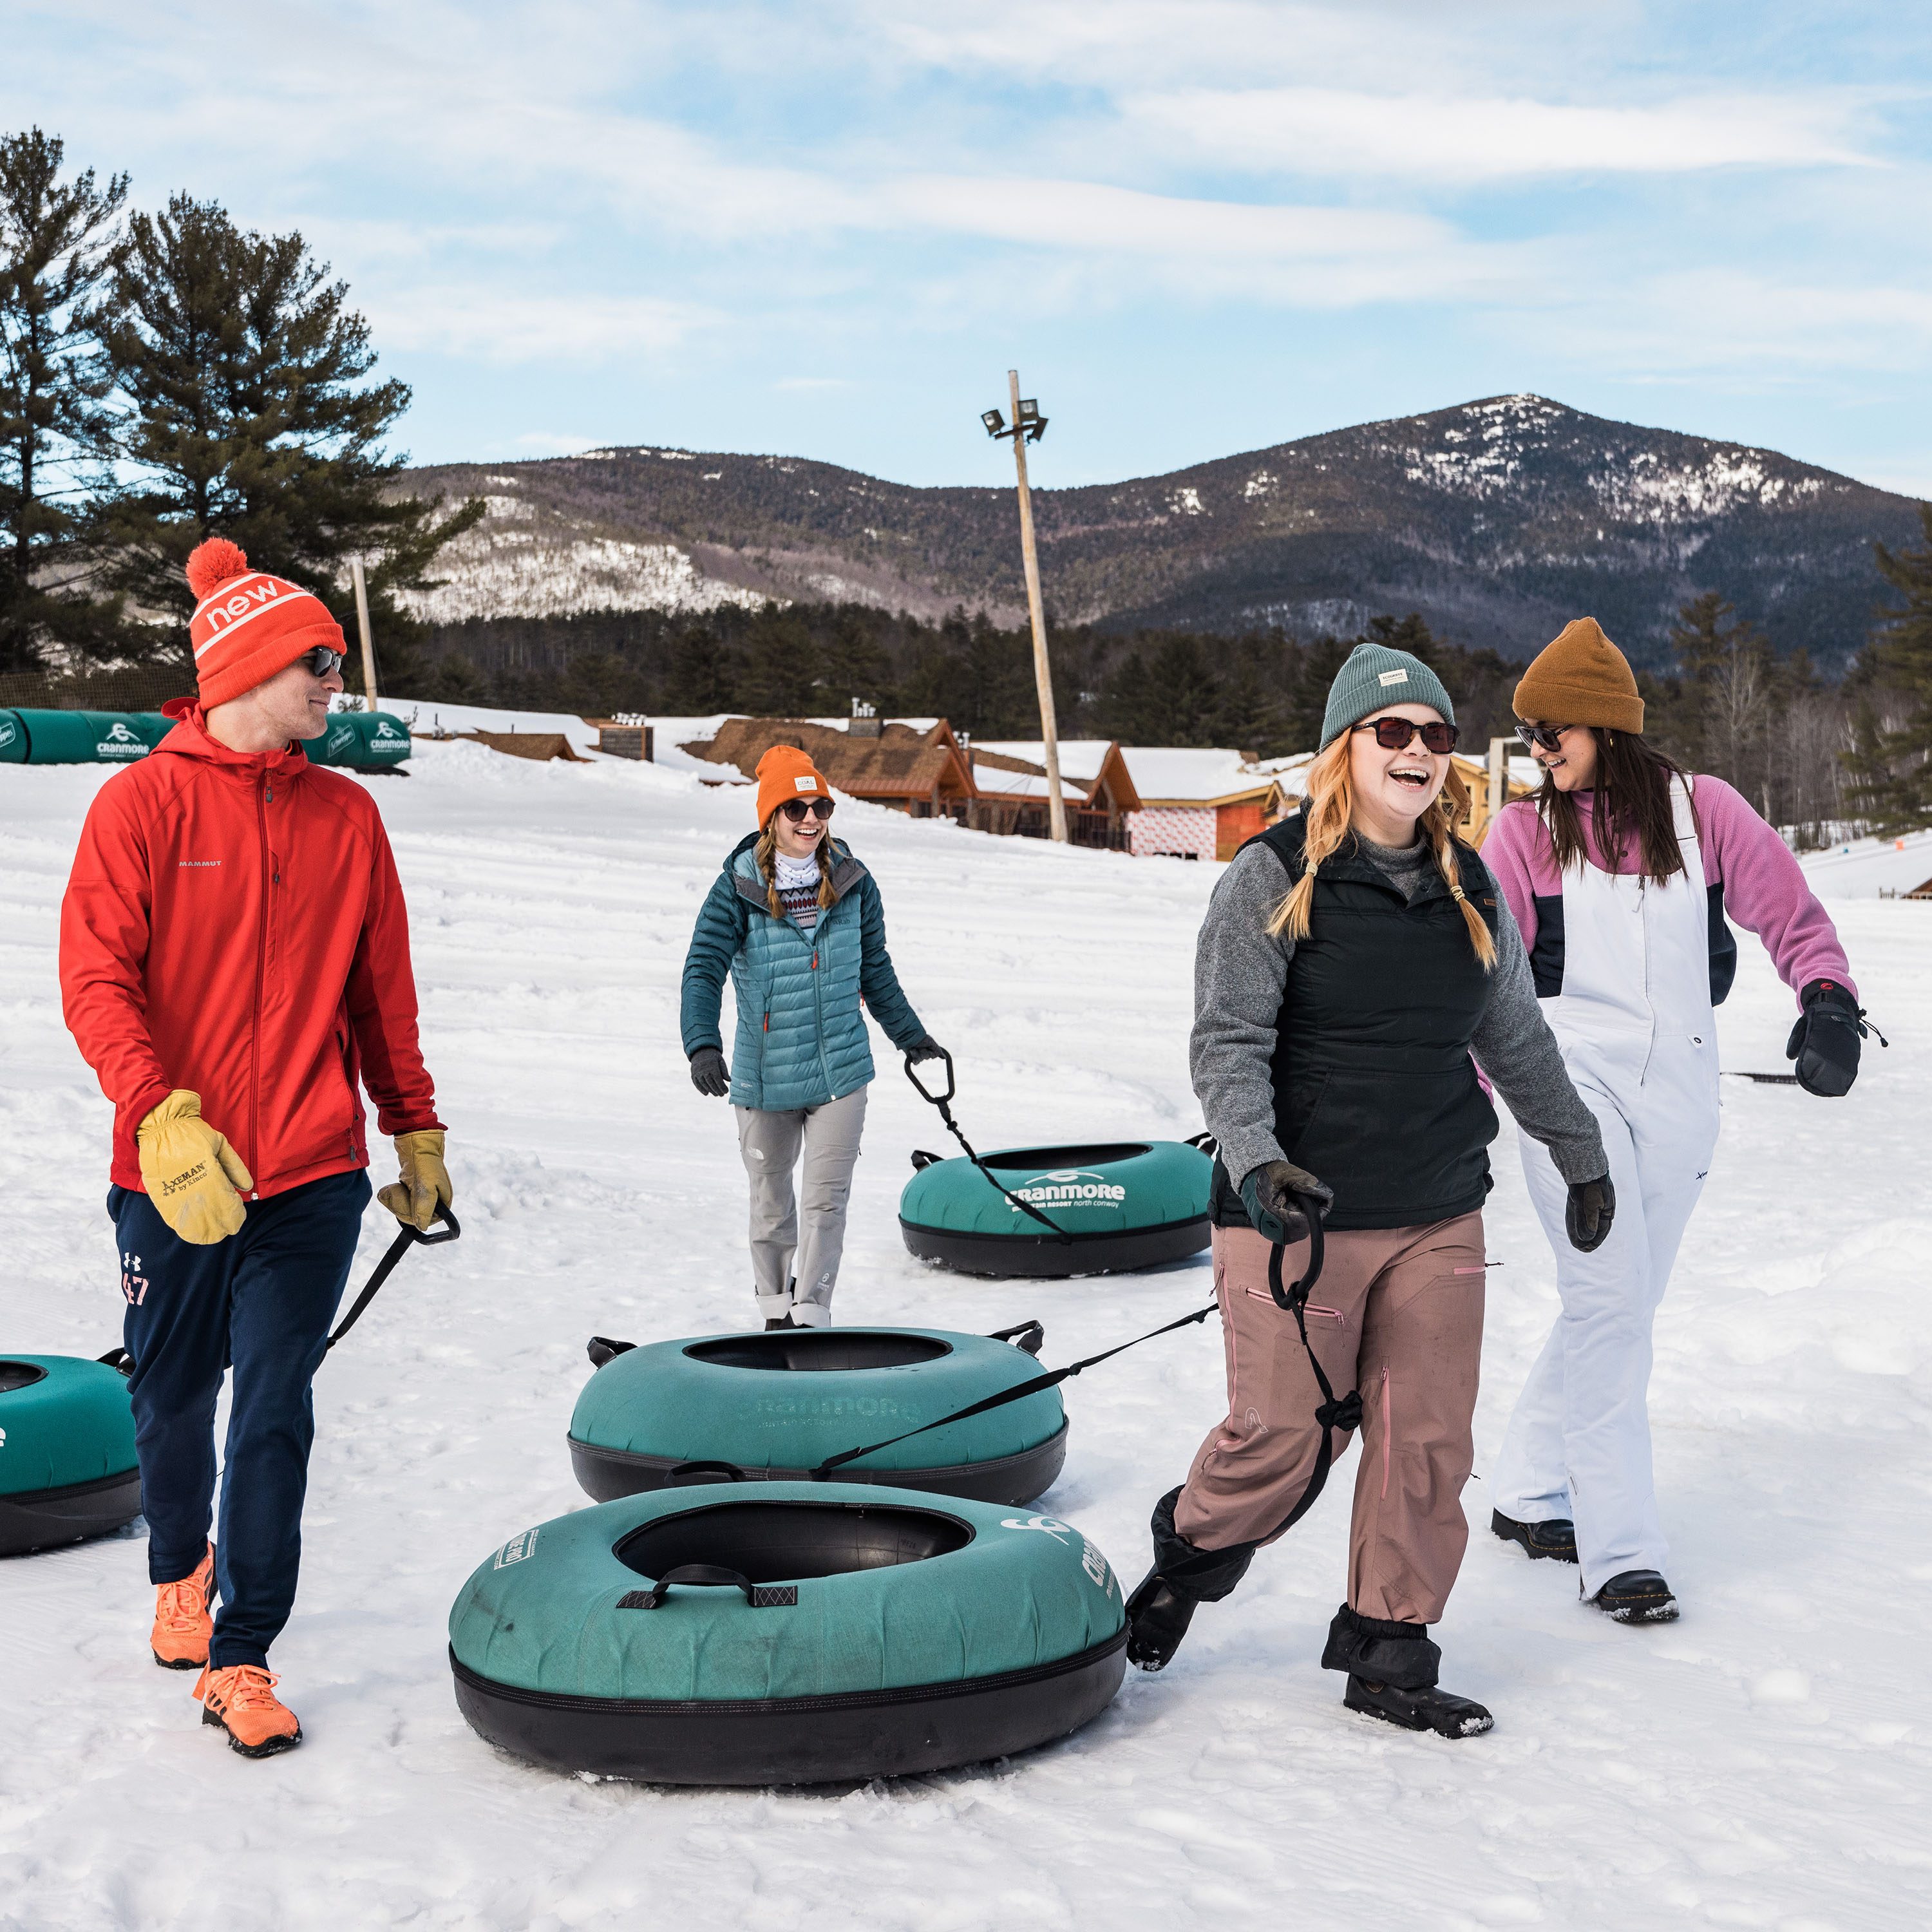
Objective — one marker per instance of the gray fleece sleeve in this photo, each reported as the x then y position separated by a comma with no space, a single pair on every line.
1514,1046
1239,975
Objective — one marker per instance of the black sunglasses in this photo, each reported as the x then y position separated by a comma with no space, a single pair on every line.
1397,734
1550,737
795,809
320,661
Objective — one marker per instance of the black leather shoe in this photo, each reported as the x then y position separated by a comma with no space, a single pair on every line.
1637,1597
1425,1709
1158,1616
1555,1539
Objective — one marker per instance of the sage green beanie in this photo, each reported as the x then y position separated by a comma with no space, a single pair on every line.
1375,677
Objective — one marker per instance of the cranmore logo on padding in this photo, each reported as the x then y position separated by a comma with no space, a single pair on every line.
121,742
517,1548
1070,1187
1091,1561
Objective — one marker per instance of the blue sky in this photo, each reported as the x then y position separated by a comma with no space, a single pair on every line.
1196,226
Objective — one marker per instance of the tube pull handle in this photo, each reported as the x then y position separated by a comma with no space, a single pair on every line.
758,1596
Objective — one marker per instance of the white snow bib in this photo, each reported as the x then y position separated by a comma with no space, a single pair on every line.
1634,1018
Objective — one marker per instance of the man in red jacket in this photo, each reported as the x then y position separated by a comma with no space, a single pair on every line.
234,955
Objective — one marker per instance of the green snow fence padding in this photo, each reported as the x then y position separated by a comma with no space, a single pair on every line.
786,1633
360,741
67,1467
79,737
776,1405
1121,1205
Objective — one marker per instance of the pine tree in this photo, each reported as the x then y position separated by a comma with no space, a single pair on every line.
1895,764
58,244
251,413
1719,723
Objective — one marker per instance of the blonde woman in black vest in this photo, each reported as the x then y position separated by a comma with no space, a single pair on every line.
1353,959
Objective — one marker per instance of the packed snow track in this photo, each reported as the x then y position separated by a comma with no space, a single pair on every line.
1766,1761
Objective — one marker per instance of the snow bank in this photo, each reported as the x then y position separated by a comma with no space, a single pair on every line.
1765,1762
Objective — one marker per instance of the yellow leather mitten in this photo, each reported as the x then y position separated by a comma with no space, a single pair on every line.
424,1185
193,1176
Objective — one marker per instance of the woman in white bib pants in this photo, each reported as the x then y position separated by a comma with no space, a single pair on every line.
1630,952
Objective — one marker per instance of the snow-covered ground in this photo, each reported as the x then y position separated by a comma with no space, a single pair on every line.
1765,1762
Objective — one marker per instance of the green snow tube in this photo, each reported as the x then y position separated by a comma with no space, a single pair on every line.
786,1634
1119,1205
360,741
79,737
773,1406
67,1468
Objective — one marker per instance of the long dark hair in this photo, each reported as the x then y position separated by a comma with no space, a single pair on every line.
1632,802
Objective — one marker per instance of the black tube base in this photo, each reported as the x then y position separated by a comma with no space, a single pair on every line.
45,1518
797,1740
1047,1257
607,1474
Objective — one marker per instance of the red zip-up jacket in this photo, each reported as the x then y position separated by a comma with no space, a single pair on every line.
234,924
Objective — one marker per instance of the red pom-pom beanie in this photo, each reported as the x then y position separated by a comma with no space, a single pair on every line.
247,624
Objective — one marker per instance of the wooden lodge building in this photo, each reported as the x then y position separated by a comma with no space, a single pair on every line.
1155,802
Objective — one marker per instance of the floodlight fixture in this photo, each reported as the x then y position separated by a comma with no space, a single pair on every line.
1028,420
995,422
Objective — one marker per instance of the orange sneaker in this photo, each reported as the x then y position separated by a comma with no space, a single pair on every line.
182,1624
241,1700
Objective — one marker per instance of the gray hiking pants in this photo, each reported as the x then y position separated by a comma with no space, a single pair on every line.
781,1254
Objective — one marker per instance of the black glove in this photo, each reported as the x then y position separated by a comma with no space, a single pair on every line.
1266,1194
1591,1207
924,1048
708,1073
1824,1042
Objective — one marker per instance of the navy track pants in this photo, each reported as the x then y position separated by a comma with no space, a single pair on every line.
262,1300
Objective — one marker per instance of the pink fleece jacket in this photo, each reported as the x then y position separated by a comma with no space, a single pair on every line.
1764,890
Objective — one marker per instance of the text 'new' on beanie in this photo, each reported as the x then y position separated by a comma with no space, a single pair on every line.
248,624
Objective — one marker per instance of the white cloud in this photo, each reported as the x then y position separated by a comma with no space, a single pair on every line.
484,322
1722,323
1315,257
1466,137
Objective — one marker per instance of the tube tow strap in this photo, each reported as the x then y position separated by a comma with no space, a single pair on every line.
1033,1386
943,1102
1331,1414
407,1238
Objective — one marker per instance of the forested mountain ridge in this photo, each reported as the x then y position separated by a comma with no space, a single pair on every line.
1496,521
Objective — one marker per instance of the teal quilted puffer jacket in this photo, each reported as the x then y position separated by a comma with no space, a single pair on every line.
801,1033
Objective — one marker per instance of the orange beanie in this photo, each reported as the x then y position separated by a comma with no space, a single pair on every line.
1582,678
784,772
247,624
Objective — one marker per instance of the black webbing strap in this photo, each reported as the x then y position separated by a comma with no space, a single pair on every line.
943,1102
407,1238
1033,1386
1331,1414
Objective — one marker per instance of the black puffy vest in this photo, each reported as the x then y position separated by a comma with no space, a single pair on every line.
1375,1092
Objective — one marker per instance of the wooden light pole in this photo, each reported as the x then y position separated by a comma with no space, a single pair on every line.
1029,426
362,625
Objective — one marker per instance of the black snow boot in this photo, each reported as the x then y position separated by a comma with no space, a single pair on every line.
1556,1538
1392,1669
1637,1597
784,1322
1161,1608
1425,1709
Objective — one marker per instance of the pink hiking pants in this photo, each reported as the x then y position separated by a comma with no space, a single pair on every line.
1398,1313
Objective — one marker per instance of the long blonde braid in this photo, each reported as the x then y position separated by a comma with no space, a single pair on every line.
1329,807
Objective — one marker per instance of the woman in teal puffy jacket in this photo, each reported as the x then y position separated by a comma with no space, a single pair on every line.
797,923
